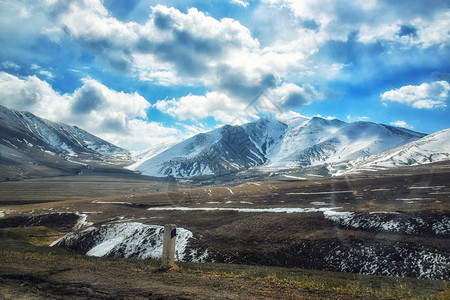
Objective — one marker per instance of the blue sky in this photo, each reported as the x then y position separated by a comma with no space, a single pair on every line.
140,73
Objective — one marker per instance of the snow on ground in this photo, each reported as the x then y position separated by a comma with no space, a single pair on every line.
127,240
321,193
377,260
390,221
414,199
251,210
295,177
82,222
231,191
112,202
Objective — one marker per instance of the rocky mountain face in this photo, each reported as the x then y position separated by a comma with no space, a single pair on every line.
31,146
270,144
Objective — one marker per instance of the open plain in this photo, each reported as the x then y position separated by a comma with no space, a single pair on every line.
393,223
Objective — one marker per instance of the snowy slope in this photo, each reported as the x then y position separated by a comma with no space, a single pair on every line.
269,144
27,140
432,148
141,156
126,240
318,141
222,151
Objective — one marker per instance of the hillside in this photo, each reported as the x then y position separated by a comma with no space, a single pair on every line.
34,147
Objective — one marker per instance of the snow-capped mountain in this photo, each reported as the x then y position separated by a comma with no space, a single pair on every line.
316,141
432,148
30,145
271,144
222,151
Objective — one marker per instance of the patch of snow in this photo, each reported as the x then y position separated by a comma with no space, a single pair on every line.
295,177
127,240
321,193
414,199
382,260
248,210
231,191
112,202
82,222
442,227
419,187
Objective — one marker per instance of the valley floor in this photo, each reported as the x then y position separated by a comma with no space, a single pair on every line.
390,223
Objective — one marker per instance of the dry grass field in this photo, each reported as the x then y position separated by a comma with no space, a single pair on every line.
276,231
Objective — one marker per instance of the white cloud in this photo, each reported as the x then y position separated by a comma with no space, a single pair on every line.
327,117
292,96
10,65
357,118
194,107
373,20
424,96
240,2
47,74
112,115
33,94
231,110
401,123
173,47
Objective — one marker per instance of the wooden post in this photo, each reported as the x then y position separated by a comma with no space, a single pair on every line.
168,253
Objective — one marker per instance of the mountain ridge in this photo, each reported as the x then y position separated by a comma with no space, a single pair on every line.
431,148
33,146
270,144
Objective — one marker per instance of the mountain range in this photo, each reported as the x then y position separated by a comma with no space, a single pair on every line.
32,147
270,144
432,148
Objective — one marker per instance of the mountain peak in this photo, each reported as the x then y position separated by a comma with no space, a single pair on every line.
268,144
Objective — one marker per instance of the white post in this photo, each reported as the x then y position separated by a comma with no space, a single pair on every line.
168,253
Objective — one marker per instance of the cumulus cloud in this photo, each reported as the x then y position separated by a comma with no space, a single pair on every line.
401,123
194,107
422,23
171,47
187,45
114,116
33,94
425,96
279,100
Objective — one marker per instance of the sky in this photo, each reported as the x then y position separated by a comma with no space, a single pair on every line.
141,73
